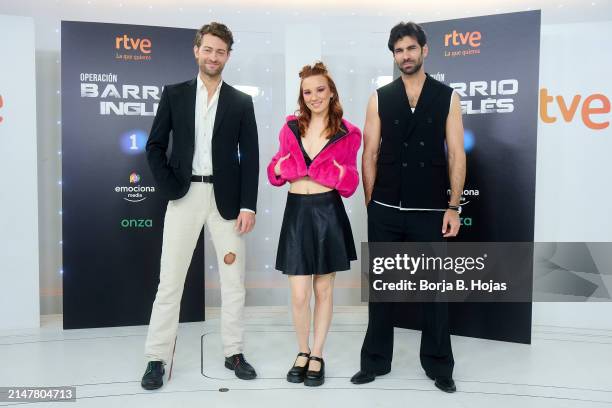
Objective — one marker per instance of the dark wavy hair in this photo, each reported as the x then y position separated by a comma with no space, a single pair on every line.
218,30
334,122
409,29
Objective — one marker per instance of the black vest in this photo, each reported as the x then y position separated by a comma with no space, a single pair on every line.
412,169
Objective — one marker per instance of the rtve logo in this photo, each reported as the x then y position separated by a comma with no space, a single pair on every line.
595,104
1,106
127,43
456,39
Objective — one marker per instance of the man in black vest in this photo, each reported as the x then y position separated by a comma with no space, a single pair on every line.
210,178
405,179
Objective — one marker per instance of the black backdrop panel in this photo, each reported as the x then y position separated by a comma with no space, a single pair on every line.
493,63
112,76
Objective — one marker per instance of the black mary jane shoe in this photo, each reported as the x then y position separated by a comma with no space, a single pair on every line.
296,374
315,378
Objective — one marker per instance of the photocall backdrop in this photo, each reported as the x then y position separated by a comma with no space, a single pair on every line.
113,216
492,62
112,78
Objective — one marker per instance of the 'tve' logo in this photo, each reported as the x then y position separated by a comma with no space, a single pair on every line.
595,104
1,106
456,39
127,43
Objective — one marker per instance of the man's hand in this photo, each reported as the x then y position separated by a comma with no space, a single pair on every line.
450,224
277,169
245,222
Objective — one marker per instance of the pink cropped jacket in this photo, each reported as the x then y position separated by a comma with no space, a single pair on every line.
342,148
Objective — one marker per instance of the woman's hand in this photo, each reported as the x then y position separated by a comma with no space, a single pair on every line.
277,170
339,166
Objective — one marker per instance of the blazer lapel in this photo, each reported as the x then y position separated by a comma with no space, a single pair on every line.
222,105
190,104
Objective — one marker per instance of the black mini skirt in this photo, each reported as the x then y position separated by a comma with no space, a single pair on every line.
316,236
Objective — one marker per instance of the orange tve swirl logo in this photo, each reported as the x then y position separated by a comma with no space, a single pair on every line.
127,43
456,39
133,49
458,44
1,106
595,104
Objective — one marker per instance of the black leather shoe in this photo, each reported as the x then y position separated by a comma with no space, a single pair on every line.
363,377
315,378
296,374
445,384
153,377
240,367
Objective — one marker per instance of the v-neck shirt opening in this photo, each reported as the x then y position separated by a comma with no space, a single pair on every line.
295,129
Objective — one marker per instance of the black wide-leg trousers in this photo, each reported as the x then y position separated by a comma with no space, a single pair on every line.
386,224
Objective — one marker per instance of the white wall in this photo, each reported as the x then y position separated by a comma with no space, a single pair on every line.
19,293
573,193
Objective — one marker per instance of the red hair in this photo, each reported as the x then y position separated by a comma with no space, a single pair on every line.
335,112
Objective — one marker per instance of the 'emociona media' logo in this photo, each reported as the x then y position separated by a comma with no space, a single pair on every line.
134,192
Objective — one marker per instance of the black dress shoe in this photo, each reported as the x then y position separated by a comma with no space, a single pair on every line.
363,377
296,374
315,378
240,367
445,384
153,377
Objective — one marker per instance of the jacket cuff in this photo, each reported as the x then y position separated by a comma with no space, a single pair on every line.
349,182
272,177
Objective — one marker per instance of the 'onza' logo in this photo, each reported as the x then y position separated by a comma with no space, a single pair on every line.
134,223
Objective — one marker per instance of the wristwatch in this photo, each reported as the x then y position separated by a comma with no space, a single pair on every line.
456,208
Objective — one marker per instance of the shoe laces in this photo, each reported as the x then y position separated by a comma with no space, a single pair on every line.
239,359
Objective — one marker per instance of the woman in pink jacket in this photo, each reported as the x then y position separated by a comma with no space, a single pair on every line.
317,156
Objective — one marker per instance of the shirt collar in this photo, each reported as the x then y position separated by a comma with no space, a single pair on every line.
200,84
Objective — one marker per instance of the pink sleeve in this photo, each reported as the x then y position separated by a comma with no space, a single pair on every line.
288,168
347,185
272,177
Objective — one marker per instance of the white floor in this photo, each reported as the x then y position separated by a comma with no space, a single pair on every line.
564,367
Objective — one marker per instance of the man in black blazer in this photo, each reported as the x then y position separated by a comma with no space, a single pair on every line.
210,177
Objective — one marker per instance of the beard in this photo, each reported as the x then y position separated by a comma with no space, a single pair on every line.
415,68
212,72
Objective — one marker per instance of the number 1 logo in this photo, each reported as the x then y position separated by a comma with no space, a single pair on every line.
133,146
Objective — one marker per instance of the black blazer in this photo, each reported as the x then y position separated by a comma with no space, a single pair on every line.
235,151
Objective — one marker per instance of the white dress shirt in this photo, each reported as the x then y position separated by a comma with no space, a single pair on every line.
205,114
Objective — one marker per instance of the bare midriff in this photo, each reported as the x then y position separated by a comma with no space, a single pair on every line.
306,185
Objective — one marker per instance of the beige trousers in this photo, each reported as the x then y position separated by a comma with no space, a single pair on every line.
184,220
